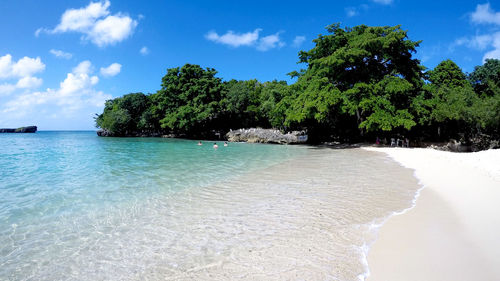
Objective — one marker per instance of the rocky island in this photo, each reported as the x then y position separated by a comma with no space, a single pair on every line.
28,129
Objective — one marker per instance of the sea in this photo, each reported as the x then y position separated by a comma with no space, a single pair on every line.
75,206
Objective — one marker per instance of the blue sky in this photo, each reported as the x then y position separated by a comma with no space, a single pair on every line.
60,60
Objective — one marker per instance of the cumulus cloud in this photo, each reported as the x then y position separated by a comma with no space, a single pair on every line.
75,98
23,67
383,2
481,43
111,70
251,38
82,19
489,41
29,82
234,39
484,14
22,70
495,53
270,42
85,67
111,29
478,42
298,40
144,51
96,24
6,89
61,54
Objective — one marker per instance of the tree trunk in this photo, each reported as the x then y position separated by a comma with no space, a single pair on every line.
361,130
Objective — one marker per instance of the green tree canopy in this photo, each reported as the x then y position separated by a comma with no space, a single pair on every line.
447,73
452,101
486,78
241,103
188,99
358,83
122,115
364,72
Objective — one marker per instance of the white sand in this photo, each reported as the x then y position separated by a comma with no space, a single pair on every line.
453,232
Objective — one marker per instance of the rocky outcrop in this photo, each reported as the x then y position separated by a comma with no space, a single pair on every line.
104,133
28,129
477,143
484,142
257,135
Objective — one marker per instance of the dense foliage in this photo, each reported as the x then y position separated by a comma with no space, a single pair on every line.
358,83
364,76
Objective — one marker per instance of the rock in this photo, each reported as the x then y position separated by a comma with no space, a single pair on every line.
484,142
104,133
257,135
455,146
28,129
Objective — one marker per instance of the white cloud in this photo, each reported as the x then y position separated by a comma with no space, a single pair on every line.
481,43
495,53
478,42
96,24
29,82
484,14
22,70
85,67
61,54
270,42
383,2
76,98
6,89
252,39
144,51
111,29
111,70
234,39
27,66
351,12
82,19
23,67
297,42
40,30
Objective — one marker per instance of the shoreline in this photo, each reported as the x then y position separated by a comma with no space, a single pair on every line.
314,240
450,233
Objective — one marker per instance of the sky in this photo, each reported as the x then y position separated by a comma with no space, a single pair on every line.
61,60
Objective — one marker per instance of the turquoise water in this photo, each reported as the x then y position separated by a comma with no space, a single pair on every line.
65,194
74,206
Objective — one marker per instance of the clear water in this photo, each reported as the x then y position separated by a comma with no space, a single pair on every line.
74,206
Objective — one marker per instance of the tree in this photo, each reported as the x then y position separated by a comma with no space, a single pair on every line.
189,99
271,94
122,115
447,73
486,82
486,78
365,73
452,101
241,103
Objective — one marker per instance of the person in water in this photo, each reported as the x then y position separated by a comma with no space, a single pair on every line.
199,143
225,143
215,145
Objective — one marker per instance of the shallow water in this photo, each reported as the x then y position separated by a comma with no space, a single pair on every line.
77,207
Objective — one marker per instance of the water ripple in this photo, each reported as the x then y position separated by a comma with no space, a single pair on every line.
77,207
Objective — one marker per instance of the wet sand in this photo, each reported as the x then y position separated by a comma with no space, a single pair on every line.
452,232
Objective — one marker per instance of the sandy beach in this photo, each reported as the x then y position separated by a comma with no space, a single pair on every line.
452,233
